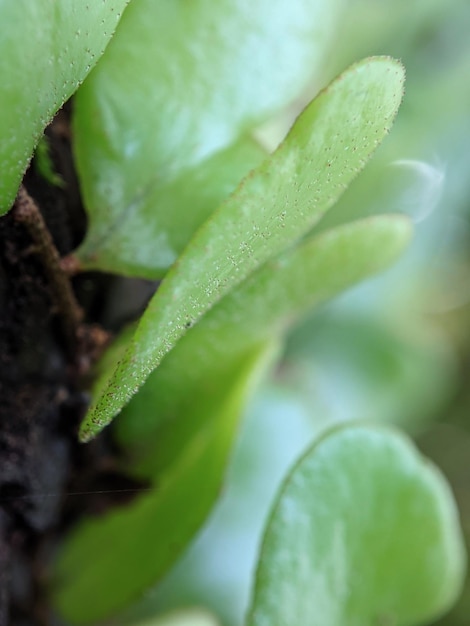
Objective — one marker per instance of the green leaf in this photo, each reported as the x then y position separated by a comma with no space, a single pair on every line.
158,420
364,532
180,83
183,405
271,209
44,165
145,538
46,50
182,618
146,238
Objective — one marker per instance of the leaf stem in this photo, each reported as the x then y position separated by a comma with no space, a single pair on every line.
70,265
26,212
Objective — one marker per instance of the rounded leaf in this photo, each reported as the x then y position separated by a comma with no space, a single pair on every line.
364,532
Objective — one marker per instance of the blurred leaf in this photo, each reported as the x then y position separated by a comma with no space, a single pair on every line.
216,569
46,50
448,445
158,420
181,618
434,46
44,164
364,531
133,547
272,208
401,372
161,110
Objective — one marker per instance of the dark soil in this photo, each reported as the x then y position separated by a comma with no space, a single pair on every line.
47,480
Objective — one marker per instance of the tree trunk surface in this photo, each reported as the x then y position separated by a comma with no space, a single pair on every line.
44,472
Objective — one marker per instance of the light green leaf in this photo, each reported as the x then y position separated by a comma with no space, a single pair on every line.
364,532
147,238
146,538
182,618
271,209
46,50
158,420
180,83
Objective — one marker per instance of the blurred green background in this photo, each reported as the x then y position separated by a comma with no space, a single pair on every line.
396,349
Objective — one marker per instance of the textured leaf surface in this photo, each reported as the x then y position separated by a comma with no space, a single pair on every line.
158,420
271,209
180,83
364,531
46,50
135,546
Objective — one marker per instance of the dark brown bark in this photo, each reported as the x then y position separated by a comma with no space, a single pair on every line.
50,335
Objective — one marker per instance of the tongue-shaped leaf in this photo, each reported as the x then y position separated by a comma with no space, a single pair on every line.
158,421
271,209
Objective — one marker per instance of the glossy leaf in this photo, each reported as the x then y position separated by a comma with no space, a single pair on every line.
145,240
46,50
364,531
158,420
180,83
271,209
146,538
